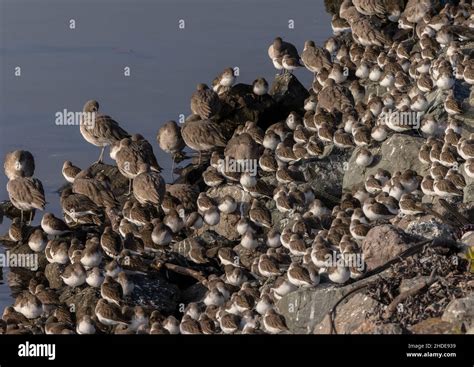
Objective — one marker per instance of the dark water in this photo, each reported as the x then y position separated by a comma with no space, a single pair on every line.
61,68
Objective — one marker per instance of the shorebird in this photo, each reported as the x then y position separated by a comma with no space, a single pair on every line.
95,278
131,154
223,81
53,225
74,275
109,314
19,163
260,87
37,240
260,215
126,283
95,188
334,97
243,151
76,206
274,323
205,102
364,157
148,186
85,325
465,147
290,63
28,305
170,140
451,106
100,130
111,242
203,135
278,49
26,194
111,291
70,171
445,188
390,9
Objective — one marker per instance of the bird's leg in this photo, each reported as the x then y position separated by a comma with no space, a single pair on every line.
101,156
172,166
200,157
129,187
31,218
21,216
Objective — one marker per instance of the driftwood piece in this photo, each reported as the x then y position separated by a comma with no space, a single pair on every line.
392,307
180,270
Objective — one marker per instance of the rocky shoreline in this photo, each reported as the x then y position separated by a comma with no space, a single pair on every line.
417,274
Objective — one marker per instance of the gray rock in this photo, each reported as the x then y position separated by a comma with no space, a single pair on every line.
155,292
428,227
241,105
397,153
52,272
369,327
468,239
469,189
306,308
325,175
407,284
194,293
349,316
288,92
460,310
468,193
435,325
383,243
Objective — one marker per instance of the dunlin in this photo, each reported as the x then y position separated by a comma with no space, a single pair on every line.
26,194
109,314
260,87
169,139
223,81
19,163
70,171
203,135
100,130
205,102
148,186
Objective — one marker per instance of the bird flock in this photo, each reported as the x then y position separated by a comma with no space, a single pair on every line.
385,59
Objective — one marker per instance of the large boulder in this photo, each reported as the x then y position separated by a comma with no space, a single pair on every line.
288,93
304,309
426,226
325,174
460,310
382,244
469,189
435,325
349,316
397,153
